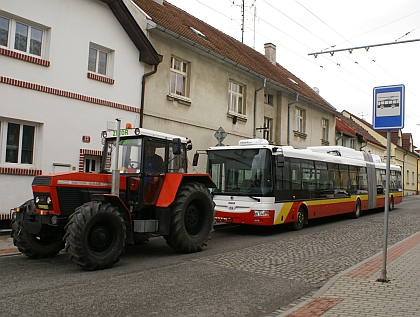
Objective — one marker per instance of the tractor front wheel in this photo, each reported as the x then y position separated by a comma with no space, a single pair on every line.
192,218
34,246
95,236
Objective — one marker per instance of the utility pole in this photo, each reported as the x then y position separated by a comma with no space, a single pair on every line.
243,20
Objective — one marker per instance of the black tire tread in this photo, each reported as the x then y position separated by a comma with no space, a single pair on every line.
76,246
31,245
178,238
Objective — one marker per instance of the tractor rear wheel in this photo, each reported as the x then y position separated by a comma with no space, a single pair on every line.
95,236
192,218
34,246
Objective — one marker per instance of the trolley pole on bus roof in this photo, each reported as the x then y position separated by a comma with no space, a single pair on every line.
388,114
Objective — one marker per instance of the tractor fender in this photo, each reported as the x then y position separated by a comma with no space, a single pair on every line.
171,185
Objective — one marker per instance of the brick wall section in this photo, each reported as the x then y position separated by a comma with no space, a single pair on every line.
5,217
67,94
84,152
20,171
24,57
100,78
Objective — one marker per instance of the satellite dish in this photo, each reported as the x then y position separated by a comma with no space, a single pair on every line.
316,89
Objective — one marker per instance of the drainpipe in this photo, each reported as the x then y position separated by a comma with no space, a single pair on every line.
341,136
143,88
255,107
288,117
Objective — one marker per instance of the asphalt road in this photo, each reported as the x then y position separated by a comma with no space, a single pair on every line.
244,271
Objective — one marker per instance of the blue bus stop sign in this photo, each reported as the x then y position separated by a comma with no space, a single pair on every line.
388,107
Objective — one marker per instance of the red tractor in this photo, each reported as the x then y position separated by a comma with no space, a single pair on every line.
95,215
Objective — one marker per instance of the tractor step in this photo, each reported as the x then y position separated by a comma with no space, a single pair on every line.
146,225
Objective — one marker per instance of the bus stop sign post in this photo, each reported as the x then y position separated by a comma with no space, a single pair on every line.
388,114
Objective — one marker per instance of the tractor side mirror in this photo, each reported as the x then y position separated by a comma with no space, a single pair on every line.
176,146
195,159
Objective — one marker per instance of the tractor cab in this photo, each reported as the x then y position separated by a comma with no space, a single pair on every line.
142,159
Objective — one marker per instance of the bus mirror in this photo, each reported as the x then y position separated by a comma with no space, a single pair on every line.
195,159
280,160
189,145
176,146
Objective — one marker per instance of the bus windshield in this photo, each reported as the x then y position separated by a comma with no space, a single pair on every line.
241,171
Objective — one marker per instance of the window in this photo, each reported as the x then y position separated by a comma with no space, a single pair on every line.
4,31
300,120
18,143
324,123
412,178
268,99
408,177
236,98
353,143
179,77
100,60
91,164
21,36
268,129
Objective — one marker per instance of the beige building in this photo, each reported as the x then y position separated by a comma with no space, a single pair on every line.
208,80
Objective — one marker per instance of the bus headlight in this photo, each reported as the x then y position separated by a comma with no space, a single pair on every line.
261,213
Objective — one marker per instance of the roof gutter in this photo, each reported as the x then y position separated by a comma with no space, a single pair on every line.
202,48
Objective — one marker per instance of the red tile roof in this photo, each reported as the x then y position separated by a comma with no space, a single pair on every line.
341,127
177,22
358,130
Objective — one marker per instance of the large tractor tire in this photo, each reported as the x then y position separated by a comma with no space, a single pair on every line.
192,218
95,236
34,246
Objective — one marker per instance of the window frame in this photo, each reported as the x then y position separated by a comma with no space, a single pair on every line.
325,127
109,60
175,73
268,129
4,132
238,96
11,36
300,120
268,99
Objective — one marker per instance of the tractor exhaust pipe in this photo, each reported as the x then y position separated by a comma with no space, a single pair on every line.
115,189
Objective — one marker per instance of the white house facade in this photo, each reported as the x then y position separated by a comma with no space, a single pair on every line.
66,69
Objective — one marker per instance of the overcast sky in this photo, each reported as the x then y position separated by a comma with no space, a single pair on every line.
300,27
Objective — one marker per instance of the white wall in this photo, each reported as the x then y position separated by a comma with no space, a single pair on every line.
60,121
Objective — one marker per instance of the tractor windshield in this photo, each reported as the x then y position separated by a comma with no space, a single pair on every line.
241,172
129,156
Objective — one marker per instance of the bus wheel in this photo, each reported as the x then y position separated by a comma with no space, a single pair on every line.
300,219
358,210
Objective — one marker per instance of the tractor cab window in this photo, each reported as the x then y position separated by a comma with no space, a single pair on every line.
154,157
129,156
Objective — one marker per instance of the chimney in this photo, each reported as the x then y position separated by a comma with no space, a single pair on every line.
270,52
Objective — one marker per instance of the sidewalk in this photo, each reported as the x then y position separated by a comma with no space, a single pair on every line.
6,245
356,292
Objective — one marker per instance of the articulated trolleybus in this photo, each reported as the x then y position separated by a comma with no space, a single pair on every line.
262,184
